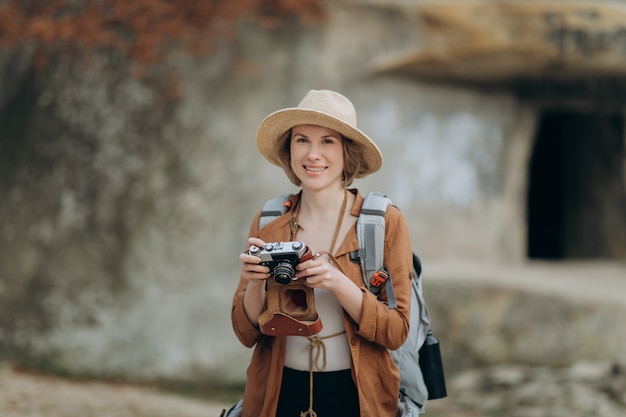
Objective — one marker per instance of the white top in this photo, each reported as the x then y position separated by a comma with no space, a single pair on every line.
337,349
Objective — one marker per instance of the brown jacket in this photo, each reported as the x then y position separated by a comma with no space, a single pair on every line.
377,378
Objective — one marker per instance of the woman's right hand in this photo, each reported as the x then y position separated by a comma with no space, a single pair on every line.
255,274
251,269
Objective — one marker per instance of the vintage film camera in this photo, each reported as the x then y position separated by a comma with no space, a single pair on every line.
290,309
282,258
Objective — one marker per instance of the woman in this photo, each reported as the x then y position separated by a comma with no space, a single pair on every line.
346,369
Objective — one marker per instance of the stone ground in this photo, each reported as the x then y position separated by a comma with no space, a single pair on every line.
29,395
582,390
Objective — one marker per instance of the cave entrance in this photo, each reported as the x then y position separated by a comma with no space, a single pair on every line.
576,206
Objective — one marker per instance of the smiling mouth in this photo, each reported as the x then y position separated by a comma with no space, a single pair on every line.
310,169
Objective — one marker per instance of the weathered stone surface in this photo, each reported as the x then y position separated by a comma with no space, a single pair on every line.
537,315
498,41
122,213
516,391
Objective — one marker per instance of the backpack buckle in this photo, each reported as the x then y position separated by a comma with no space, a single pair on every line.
380,277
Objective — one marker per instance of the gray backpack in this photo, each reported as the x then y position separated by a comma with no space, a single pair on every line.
419,358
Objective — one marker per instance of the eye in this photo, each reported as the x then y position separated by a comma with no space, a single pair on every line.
301,139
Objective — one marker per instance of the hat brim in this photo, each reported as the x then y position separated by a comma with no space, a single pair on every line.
274,127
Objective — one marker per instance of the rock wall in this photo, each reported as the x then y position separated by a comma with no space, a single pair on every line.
124,209
492,42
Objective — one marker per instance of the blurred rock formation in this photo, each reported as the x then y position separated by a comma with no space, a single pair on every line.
125,198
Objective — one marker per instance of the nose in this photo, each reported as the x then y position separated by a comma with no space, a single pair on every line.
314,151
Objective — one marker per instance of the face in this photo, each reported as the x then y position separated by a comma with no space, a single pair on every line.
317,156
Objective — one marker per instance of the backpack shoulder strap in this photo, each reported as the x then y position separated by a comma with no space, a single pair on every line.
413,382
370,231
273,209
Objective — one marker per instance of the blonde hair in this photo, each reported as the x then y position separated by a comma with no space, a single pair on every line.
352,158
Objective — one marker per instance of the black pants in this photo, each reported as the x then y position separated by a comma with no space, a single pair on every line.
334,394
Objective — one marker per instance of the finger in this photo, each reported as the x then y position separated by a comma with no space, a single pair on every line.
250,271
255,278
249,275
254,269
256,242
249,259
310,271
314,282
257,268
311,263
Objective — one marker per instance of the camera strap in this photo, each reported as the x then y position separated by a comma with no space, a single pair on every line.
295,225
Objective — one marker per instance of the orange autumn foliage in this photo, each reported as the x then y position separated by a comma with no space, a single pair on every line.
140,29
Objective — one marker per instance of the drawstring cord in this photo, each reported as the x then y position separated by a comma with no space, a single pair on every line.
317,349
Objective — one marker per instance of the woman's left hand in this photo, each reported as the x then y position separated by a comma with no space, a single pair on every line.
319,273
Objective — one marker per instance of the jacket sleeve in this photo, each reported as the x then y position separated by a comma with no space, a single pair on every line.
380,324
247,333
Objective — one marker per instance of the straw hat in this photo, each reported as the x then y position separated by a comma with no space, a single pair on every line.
323,108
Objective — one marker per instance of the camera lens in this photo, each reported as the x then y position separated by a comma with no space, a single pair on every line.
283,273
